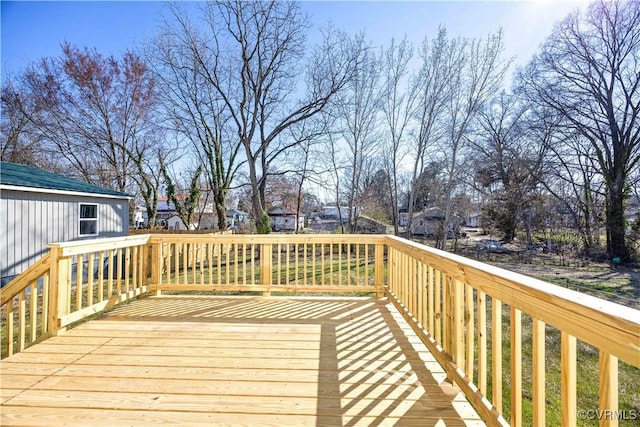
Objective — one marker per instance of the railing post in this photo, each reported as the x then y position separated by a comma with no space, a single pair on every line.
379,269
59,290
266,257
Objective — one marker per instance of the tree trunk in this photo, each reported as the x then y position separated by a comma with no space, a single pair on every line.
616,239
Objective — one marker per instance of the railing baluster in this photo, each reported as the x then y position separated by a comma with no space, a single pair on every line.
608,405
79,280
202,253
118,269
420,295
349,267
496,354
314,280
21,320
482,341
244,264
470,328
236,264
110,254
210,262
357,264
457,301
516,366
430,300
538,372
438,306
127,269
175,254
568,379
340,274
322,264
100,276
133,267
287,264
227,276
10,328
33,311
331,264
66,262
219,269
45,303
185,262
90,267
446,321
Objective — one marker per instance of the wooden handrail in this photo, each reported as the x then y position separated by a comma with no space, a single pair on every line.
601,323
20,283
86,246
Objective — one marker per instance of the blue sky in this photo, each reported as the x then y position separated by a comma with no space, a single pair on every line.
31,30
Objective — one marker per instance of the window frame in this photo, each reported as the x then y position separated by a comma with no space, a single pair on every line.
82,220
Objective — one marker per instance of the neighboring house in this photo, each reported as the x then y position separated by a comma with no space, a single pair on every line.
403,217
335,213
166,210
430,220
141,217
175,223
235,218
39,207
285,220
474,220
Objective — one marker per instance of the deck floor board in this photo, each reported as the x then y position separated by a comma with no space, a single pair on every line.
203,360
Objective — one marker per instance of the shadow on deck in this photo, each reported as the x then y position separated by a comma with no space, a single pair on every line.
185,360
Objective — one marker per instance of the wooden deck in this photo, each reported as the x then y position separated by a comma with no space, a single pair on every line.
202,360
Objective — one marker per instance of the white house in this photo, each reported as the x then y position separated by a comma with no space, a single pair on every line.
39,207
430,222
285,220
335,212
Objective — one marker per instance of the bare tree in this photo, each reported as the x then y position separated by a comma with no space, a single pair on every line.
194,108
304,161
357,109
431,92
251,55
19,143
572,177
475,71
508,162
150,156
587,72
185,201
92,109
399,104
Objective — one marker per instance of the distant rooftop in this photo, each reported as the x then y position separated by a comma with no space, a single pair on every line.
28,177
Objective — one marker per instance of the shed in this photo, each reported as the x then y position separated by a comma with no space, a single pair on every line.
39,207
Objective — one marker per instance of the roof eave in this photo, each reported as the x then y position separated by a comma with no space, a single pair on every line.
64,192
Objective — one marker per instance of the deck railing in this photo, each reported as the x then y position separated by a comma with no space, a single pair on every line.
73,281
459,307
268,263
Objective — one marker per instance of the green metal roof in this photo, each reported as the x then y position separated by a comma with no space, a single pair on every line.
13,174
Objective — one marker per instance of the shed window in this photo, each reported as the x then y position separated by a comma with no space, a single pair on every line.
88,219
